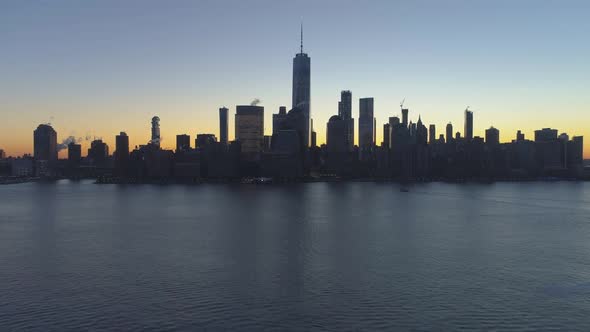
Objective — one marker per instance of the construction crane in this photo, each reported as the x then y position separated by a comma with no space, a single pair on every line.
401,105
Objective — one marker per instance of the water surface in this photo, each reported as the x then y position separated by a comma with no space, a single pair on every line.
317,256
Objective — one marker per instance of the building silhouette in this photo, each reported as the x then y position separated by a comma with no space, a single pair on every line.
121,155
155,132
492,136
45,143
366,127
431,134
98,152
74,154
468,130
249,126
223,125
302,86
449,132
345,113
183,142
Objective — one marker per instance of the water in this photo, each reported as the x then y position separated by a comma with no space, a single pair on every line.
321,256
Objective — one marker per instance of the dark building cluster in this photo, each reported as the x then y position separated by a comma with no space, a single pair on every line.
409,151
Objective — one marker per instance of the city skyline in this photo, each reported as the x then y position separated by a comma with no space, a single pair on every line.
517,96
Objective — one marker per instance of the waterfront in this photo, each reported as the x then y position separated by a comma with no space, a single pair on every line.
326,256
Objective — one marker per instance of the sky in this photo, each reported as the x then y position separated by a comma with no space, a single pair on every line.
95,68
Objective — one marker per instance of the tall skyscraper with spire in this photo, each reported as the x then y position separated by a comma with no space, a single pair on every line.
301,86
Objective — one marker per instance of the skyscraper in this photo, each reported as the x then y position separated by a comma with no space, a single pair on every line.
345,113
183,142
449,132
468,130
250,130
492,136
121,154
223,126
366,126
386,135
335,135
431,134
301,86
278,119
155,131
45,143
74,154
98,152
405,117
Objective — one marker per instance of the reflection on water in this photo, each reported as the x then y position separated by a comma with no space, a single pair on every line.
326,256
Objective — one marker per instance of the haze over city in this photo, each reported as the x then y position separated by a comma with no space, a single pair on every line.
95,69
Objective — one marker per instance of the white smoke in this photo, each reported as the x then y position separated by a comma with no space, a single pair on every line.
255,102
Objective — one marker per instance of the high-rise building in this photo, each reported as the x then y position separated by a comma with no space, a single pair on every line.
314,138
74,154
386,135
519,136
468,130
155,131
335,135
45,143
301,86
449,132
204,140
2,154
98,152
345,113
492,136
431,134
183,142
279,119
366,126
121,154
223,125
545,134
405,117
249,126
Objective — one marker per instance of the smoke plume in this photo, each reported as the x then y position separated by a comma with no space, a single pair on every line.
255,102
64,144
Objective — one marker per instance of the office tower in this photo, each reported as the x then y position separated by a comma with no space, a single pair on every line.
155,131
249,126
301,86
121,154
492,136
345,113
405,117
336,135
468,130
386,134
313,136
278,119
98,152
449,132
545,134
2,154
366,124
519,136
74,154
204,140
575,152
223,126
183,142
421,132
431,133
45,143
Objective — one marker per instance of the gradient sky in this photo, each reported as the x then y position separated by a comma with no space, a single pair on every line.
100,67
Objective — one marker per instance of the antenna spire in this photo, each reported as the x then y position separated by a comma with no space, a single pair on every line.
301,44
